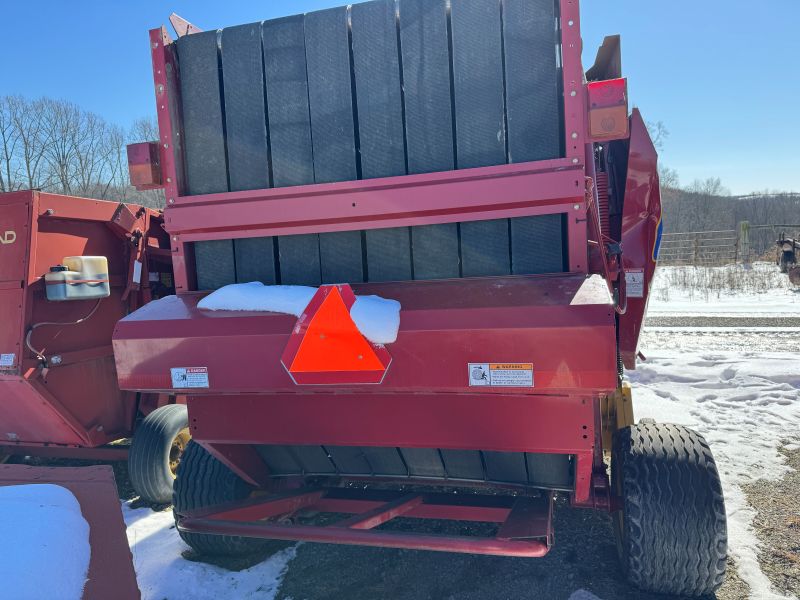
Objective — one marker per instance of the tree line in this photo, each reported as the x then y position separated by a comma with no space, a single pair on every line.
56,146
707,205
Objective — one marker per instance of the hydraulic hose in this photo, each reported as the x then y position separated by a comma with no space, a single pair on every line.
39,354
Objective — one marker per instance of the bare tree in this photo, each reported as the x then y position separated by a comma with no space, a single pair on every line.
62,123
9,136
144,129
28,118
668,177
711,186
658,133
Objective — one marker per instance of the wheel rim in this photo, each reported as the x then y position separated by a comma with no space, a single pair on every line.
176,449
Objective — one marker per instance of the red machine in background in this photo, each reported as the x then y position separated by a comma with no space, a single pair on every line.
504,385
59,395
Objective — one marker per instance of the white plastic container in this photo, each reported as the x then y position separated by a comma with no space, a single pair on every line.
78,278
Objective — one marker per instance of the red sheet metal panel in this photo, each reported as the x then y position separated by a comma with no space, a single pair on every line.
563,325
11,303
511,423
641,222
14,238
26,418
14,233
111,573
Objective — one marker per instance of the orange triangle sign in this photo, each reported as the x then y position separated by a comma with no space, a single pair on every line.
333,343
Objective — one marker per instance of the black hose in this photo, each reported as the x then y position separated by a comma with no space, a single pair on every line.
38,354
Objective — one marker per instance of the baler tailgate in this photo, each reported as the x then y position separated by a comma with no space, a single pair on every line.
524,523
444,327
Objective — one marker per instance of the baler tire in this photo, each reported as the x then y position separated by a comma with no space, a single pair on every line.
158,442
671,532
203,481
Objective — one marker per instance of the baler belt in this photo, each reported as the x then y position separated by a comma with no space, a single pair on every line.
204,136
377,78
520,246
381,88
243,90
287,101
330,95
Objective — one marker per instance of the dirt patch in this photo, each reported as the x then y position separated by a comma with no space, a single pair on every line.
584,557
778,525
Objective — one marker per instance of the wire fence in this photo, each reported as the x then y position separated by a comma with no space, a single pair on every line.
745,244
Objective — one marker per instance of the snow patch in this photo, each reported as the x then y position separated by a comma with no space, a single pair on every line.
162,572
47,543
745,405
257,297
378,319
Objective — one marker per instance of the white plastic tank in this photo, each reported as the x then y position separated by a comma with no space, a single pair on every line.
78,278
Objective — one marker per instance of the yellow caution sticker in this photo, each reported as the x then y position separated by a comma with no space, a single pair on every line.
501,374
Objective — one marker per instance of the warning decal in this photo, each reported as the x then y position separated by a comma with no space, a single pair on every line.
501,374
189,377
7,360
634,283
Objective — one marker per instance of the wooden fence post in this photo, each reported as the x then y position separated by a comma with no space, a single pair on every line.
743,241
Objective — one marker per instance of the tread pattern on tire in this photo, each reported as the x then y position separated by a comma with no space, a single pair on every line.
674,524
148,461
204,481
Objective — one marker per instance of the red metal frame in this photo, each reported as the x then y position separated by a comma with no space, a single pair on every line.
525,523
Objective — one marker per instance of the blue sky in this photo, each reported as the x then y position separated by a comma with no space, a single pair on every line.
721,74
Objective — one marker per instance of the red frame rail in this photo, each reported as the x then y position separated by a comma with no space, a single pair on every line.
525,522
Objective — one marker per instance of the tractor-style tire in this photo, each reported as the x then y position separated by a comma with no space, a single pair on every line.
204,481
156,450
671,531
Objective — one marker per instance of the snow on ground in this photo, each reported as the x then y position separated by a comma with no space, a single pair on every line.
46,543
732,289
746,405
737,385
163,573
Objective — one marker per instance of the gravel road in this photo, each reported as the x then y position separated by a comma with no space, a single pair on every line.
723,321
